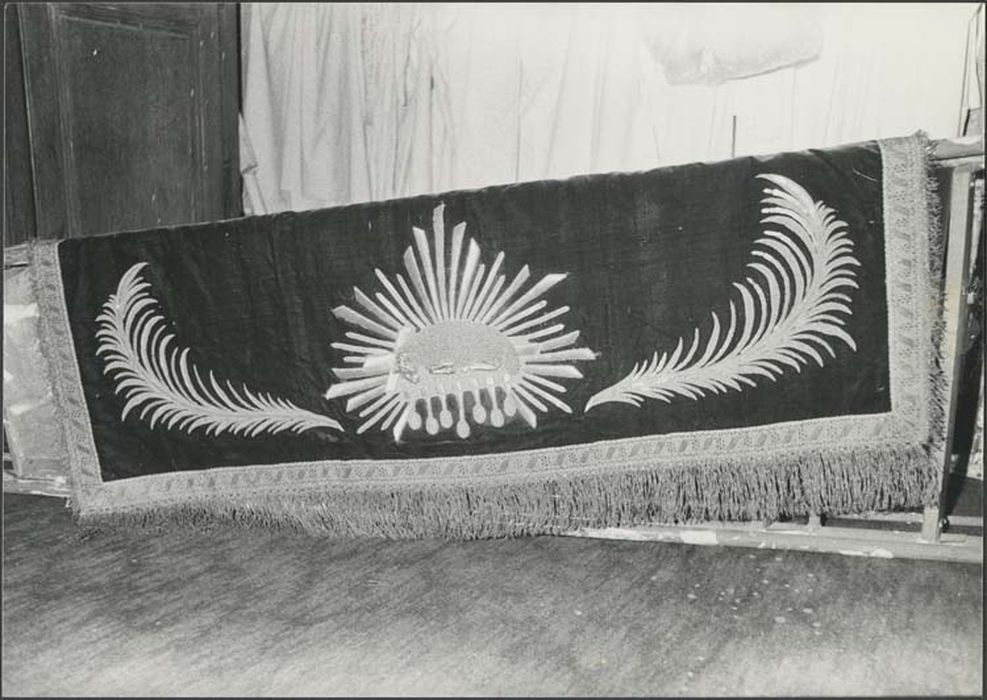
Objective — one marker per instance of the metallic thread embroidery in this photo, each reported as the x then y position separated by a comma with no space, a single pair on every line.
134,345
787,317
457,346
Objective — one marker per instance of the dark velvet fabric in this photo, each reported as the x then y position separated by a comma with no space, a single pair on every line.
648,255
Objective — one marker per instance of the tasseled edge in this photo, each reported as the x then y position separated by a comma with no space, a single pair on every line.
880,478
938,381
48,295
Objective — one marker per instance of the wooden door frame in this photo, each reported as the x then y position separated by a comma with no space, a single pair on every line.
18,204
55,193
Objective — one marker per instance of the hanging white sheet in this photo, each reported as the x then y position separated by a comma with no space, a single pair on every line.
358,102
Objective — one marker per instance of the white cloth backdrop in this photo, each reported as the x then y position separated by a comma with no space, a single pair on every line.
346,103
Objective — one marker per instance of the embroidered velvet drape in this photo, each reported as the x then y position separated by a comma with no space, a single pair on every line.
730,340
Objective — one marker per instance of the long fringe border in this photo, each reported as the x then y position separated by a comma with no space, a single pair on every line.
879,479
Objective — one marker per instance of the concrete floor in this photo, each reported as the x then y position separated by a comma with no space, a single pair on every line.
253,613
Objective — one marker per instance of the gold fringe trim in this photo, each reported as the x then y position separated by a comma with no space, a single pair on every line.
879,479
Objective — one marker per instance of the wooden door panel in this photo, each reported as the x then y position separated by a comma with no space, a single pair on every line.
18,219
132,113
138,144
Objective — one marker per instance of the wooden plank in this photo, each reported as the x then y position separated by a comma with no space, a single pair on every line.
35,487
15,256
18,211
962,147
229,81
44,131
880,544
965,520
931,523
905,517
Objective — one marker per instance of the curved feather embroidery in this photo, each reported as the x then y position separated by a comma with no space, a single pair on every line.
167,388
794,305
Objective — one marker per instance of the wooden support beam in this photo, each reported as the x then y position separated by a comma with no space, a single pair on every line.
966,520
846,541
931,524
36,487
15,256
961,147
901,517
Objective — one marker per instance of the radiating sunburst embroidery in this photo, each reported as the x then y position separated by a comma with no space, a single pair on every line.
455,345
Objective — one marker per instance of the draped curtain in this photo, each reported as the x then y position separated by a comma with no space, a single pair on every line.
358,102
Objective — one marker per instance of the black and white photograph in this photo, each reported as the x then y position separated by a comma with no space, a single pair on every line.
493,349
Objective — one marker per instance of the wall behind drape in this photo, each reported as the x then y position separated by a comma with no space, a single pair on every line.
346,103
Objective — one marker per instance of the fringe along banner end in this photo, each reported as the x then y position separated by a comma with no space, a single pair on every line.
881,480
728,341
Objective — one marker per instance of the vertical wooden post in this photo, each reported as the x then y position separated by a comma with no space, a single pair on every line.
931,524
957,274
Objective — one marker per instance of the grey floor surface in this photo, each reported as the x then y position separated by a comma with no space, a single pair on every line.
254,613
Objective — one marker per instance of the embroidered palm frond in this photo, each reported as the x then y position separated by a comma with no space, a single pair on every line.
157,378
793,307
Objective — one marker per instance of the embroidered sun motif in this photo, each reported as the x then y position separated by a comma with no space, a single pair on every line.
456,346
